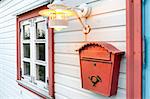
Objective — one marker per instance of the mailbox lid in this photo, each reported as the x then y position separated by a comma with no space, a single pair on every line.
98,50
100,69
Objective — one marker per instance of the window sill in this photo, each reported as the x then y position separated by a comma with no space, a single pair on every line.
34,89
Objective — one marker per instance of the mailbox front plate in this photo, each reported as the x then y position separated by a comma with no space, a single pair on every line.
96,69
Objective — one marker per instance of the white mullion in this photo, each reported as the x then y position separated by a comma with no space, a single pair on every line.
22,50
40,62
26,59
32,52
25,41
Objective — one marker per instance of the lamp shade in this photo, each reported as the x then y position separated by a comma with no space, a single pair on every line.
58,14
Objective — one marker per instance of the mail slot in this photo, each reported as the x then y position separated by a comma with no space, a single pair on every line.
100,64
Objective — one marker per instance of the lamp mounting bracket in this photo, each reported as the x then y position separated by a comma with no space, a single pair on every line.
85,10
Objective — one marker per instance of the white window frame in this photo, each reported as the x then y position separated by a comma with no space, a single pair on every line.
32,41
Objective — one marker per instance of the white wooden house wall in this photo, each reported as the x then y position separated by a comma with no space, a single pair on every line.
108,24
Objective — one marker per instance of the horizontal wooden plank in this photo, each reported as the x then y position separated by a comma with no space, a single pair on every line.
105,34
76,94
117,18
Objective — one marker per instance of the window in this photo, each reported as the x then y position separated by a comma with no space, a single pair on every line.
34,51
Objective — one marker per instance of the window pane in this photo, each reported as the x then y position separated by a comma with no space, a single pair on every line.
40,73
40,30
26,68
26,50
40,51
26,32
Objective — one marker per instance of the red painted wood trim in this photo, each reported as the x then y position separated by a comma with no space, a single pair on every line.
28,15
18,49
51,61
138,49
134,49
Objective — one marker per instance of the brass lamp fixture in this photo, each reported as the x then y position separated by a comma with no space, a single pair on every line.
59,13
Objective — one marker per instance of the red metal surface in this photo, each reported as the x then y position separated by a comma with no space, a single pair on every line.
25,16
134,49
100,62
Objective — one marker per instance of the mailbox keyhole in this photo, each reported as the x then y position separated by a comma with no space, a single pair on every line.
94,64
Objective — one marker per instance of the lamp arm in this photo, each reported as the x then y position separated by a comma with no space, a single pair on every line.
86,27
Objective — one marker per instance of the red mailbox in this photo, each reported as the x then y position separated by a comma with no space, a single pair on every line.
100,64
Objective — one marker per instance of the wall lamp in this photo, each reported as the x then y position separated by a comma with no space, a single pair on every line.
59,13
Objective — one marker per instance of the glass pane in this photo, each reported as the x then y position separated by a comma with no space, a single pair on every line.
40,51
40,73
26,50
26,31
26,68
40,30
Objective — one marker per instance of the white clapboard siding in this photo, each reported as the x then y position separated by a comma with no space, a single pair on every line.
9,88
72,93
108,23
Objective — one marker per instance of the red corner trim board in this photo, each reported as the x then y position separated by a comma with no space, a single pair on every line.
134,48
